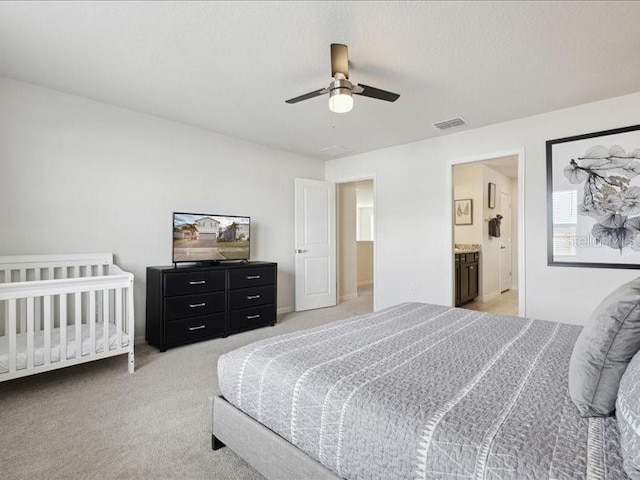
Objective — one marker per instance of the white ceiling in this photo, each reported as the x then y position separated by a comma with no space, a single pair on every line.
229,66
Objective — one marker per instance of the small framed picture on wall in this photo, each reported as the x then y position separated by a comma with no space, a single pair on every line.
492,195
463,211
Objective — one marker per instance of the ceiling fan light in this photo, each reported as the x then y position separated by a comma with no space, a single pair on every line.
340,100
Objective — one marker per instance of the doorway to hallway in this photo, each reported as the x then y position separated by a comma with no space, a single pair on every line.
356,227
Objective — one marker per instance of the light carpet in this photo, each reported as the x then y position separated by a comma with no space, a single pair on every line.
96,421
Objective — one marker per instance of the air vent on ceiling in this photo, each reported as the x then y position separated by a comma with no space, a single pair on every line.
334,150
454,122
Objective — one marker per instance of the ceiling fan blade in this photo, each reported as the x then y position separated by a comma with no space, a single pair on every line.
373,92
339,60
307,96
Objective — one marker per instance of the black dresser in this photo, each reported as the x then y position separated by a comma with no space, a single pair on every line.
192,303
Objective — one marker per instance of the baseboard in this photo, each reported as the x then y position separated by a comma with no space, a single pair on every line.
348,297
284,310
490,296
139,339
368,282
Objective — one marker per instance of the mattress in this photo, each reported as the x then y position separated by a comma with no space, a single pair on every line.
21,345
422,391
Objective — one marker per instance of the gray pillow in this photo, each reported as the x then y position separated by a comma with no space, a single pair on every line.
603,350
628,416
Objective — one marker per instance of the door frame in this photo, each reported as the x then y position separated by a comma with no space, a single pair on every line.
520,153
350,179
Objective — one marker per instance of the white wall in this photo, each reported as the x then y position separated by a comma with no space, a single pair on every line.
412,213
82,176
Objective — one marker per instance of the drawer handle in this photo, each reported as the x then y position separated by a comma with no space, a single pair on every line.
253,277
199,327
251,317
200,282
252,297
196,305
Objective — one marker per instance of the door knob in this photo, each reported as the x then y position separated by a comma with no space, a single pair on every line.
301,251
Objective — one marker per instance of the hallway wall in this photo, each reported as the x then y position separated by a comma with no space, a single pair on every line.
365,262
347,245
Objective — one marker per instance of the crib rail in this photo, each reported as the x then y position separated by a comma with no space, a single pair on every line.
55,322
23,268
69,285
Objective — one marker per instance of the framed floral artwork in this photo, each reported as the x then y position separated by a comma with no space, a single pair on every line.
593,199
463,211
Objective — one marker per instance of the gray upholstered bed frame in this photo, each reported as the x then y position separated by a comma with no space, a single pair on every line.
264,450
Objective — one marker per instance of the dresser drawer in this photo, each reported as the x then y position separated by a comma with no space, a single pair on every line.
251,297
251,277
194,328
193,282
252,317
193,305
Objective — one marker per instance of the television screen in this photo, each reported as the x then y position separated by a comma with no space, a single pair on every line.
205,238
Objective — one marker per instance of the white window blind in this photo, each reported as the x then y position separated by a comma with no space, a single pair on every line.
565,220
565,207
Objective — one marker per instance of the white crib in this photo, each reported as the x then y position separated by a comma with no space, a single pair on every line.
61,310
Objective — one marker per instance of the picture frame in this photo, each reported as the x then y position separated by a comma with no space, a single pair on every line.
593,199
492,195
463,211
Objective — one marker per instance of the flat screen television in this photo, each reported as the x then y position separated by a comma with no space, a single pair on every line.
210,238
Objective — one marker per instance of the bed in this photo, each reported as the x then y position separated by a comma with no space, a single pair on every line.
416,391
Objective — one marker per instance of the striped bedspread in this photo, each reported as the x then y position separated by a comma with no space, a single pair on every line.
422,391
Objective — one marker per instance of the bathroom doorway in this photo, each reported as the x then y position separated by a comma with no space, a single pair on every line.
486,235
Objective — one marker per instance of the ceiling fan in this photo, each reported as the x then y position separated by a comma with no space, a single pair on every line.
340,89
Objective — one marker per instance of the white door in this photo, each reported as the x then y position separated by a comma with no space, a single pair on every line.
315,244
505,241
